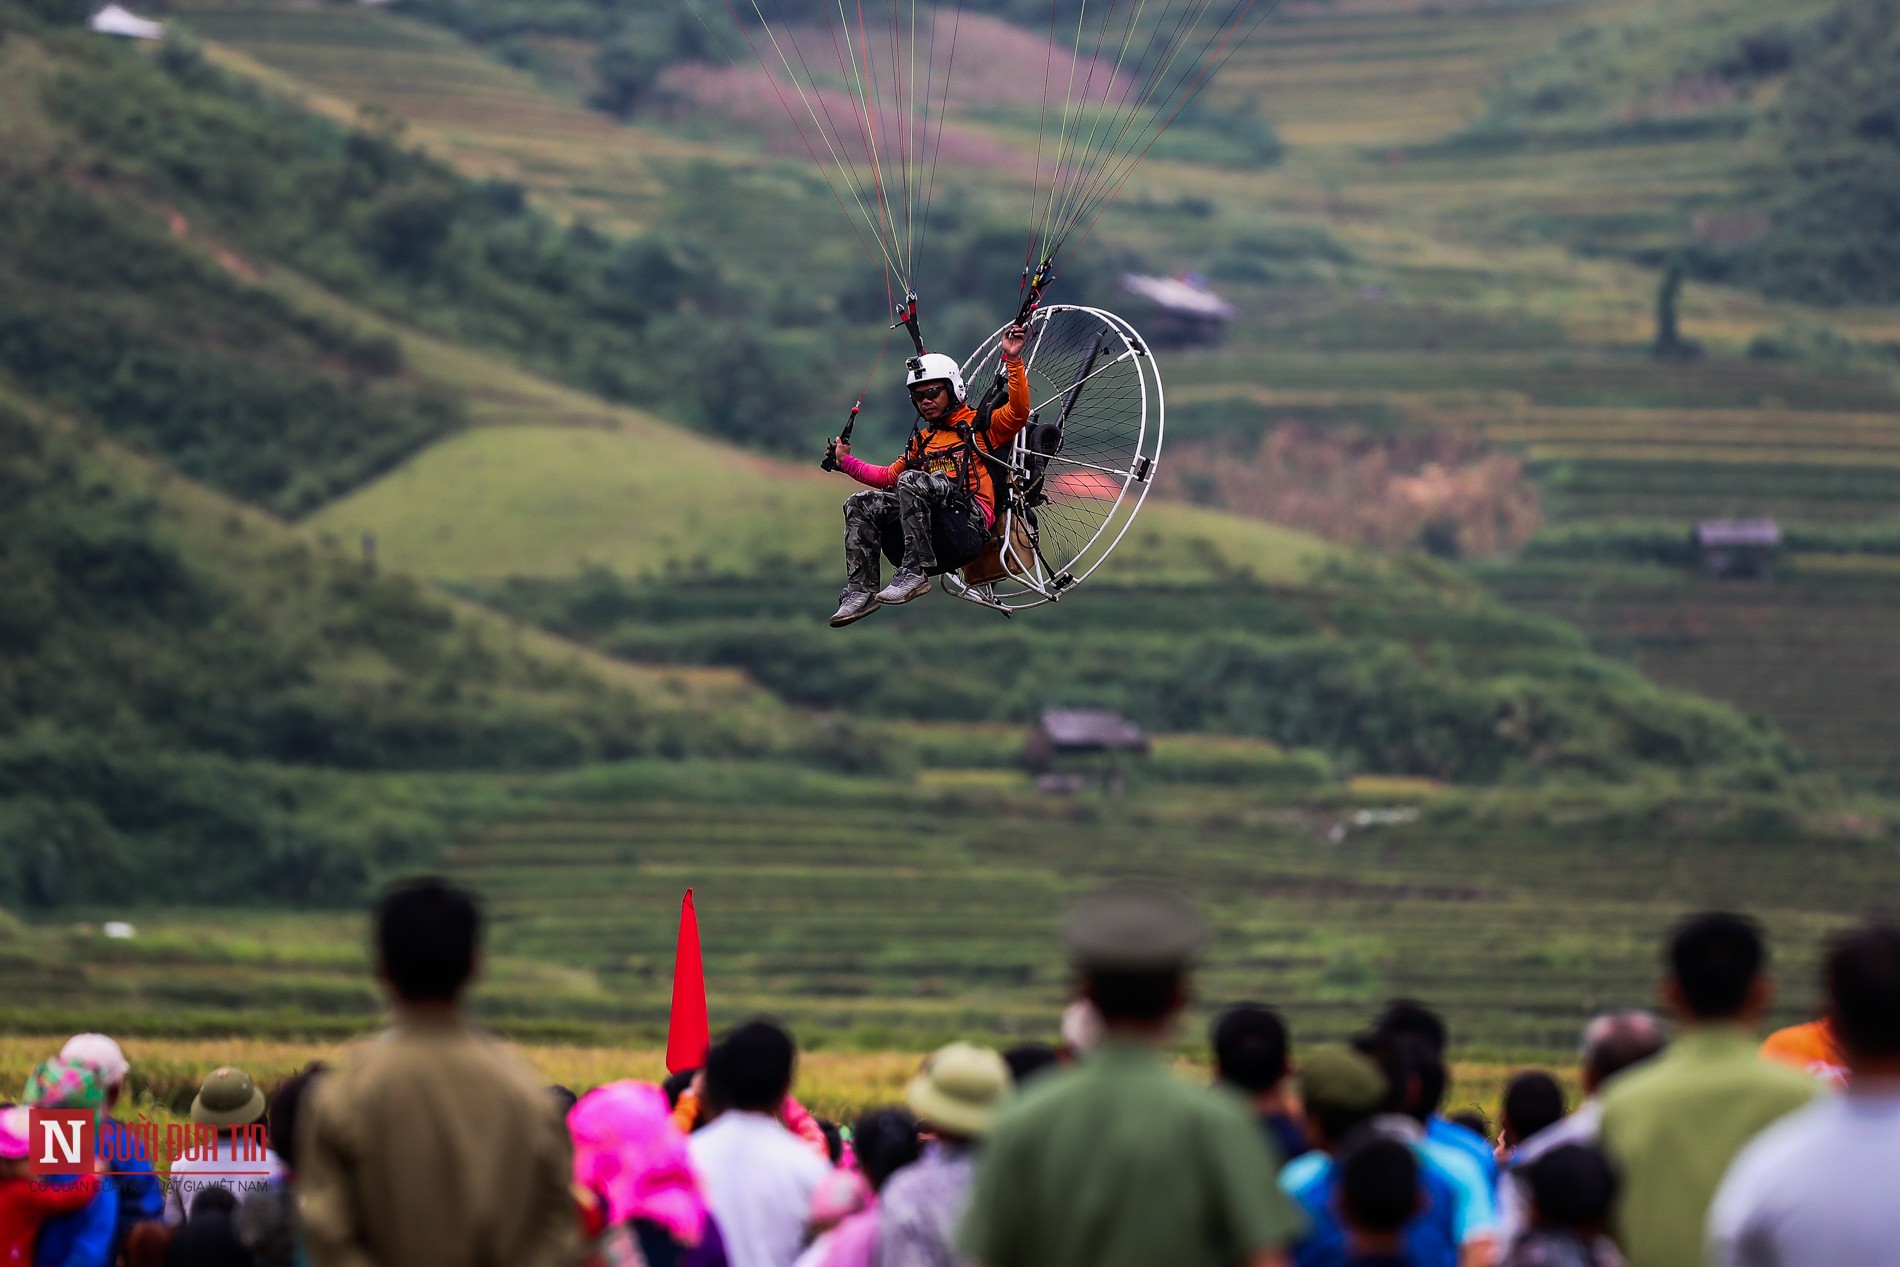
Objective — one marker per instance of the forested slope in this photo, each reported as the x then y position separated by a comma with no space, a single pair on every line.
185,685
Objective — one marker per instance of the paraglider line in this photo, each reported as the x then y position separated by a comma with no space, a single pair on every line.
943,112
806,141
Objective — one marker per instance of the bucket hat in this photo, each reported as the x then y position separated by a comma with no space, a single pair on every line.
960,1089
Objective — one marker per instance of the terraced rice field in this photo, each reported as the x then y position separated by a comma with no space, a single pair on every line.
1329,73
497,122
887,916
1813,649
875,914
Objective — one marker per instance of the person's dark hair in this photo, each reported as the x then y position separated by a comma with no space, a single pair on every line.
1616,1041
212,1202
676,1085
1472,1120
1401,1059
1532,1101
1715,957
209,1238
1571,1187
834,1140
1863,986
146,1243
885,1141
1434,1079
427,933
1250,1047
1378,1185
751,1068
208,1241
1412,1019
1135,997
286,1106
563,1097
1025,1060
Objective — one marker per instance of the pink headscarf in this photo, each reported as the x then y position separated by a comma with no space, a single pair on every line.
627,1149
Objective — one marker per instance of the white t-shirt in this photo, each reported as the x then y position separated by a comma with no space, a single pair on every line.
1820,1188
759,1179
236,1166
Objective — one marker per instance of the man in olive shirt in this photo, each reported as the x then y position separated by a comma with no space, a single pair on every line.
1116,1162
1673,1125
432,1146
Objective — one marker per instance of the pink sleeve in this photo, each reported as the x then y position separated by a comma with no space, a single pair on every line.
864,473
799,1121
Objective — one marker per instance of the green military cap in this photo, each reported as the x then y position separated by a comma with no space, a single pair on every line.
1134,928
228,1098
1340,1078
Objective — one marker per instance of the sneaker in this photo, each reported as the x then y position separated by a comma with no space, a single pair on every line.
853,605
906,585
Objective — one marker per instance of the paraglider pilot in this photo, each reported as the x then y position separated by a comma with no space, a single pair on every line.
931,510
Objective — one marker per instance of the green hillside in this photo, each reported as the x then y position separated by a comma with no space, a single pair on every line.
648,500
187,681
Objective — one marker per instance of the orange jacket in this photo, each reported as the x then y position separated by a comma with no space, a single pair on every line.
1811,1049
941,449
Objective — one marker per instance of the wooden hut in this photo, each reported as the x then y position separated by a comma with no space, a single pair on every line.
1074,749
1737,549
1177,312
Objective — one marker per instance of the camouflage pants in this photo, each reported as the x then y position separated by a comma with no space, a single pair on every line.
927,522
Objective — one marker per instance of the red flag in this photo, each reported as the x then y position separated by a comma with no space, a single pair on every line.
688,1033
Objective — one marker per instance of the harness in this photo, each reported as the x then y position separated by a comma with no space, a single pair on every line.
970,458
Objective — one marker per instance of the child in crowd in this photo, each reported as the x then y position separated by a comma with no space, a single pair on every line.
1571,1189
24,1204
844,1210
1378,1194
1532,1102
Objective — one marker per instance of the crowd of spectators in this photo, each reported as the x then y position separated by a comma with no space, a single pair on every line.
430,1145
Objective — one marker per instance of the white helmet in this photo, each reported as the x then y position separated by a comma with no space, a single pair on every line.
932,366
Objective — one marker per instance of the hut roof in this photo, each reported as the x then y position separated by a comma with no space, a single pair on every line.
1764,533
1187,295
1089,728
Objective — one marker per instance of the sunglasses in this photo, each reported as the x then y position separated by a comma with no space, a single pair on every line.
926,393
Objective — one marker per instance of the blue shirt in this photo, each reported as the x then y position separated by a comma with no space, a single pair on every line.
1288,1136
1444,1131
1431,1239
1477,1201
141,1199
82,1238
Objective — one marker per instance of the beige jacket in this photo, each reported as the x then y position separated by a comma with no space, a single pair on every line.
433,1147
